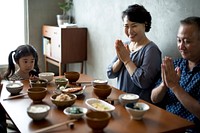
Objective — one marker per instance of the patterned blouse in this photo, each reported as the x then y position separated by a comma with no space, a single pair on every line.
190,81
16,76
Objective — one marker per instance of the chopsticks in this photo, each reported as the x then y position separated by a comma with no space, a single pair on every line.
54,126
17,96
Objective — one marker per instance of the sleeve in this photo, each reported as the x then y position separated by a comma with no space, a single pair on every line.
149,71
110,72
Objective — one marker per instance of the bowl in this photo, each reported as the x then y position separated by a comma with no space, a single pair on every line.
63,100
72,76
75,112
14,88
38,82
99,82
38,111
137,110
102,91
99,105
97,121
46,75
61,81
37,94
128,98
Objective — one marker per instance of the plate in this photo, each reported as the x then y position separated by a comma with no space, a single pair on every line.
99,105
58,91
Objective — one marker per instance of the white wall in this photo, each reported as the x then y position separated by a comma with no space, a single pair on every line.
103,20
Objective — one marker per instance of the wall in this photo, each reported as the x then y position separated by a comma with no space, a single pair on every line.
41,13
103,20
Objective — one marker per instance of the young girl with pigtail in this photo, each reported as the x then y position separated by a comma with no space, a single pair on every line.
26,58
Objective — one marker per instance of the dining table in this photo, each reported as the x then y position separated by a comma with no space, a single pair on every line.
155,120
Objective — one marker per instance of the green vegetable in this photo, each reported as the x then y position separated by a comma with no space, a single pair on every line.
75,110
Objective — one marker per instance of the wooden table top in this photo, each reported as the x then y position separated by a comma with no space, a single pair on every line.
155,119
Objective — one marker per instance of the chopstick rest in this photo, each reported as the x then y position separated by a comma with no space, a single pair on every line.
17,96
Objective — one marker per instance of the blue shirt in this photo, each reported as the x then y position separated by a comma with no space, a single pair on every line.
190,82
148,61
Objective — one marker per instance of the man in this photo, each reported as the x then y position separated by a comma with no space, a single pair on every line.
180,85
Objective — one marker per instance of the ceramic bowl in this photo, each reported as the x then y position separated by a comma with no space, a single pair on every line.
99,105
38,111
14,88
99,82
75,112
37,94
46,75
137,110
63,100
72,76
102,91
128,98
61,81
97,121
38,83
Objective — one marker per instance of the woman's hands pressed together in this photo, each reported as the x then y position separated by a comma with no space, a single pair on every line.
122,51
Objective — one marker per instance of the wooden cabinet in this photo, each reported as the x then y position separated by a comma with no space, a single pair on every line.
64,45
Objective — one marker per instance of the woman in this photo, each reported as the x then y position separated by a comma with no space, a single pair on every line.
137,64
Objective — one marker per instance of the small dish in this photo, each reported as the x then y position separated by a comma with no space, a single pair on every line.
38,111
99,105
14,88
137,110
75,112
80,90
128,98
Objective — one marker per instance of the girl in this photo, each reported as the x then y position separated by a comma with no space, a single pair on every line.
26,57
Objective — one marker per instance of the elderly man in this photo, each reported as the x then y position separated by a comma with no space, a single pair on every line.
180,85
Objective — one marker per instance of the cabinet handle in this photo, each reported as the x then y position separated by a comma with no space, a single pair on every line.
55,32
59,45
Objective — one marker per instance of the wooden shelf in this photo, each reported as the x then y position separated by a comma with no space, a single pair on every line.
64,45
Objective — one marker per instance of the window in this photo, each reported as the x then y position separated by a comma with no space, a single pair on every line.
12,27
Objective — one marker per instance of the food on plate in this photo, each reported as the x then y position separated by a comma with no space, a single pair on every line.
63,97
100,106
72,89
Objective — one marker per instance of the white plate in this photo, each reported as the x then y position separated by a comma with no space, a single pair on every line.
100,105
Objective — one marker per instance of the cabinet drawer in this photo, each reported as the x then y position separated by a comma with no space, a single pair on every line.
50,31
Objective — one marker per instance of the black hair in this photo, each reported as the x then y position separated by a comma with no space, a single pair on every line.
193,20
21,51
137,13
